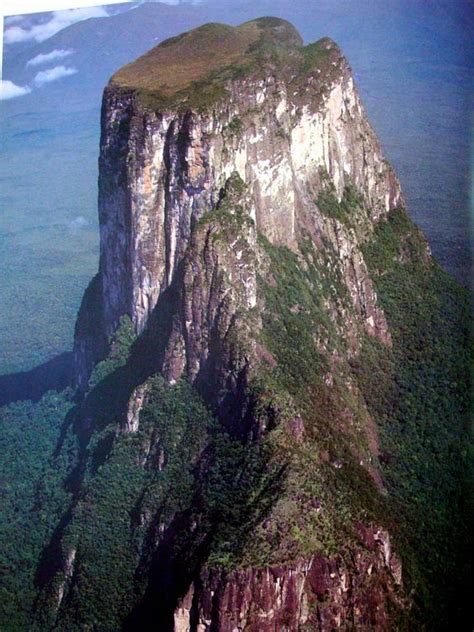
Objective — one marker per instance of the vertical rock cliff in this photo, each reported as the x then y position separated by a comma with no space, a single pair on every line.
289,122
242,353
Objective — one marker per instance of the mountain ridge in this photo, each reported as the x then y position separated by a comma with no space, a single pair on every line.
187,138
207,48
408,129
264,369
198,202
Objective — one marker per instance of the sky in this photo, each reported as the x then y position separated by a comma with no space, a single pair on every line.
78,10
17,7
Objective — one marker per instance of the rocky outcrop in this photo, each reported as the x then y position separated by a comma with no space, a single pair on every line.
135,405
234,211
285,133
218,293
359,591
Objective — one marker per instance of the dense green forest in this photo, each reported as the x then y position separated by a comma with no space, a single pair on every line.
421,393
65,484
32,498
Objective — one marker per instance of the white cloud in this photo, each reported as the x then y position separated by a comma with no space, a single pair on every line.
59,20
52,74
9,90
17,7
13,19
78,222
172,2
44,58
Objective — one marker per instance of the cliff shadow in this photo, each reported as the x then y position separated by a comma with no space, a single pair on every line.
105,404
223,512
53,375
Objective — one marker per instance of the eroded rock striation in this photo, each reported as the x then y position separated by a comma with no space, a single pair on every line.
289,128
315,594
227,350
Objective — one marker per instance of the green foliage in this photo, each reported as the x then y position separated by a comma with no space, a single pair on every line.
180,461
271,500
239,490
420,393
120,346
143,477
397,240
294,314
320,501
314,54
230,221
342,211
236,125
179,418
32,498
34,330
219,54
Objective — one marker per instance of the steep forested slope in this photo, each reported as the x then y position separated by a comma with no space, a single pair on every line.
270,428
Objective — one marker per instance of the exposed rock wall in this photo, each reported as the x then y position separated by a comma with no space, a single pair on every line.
191,202
161,171
359,591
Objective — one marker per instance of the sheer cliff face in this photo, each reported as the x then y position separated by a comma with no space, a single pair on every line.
239,201
287,133
317,594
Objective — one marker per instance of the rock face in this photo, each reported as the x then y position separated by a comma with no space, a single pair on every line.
317,594
236,207
286,134
218,283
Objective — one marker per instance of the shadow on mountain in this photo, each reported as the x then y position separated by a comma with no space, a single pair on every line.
55,374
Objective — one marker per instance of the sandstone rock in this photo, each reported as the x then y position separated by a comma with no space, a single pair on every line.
161,171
